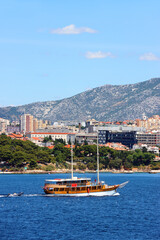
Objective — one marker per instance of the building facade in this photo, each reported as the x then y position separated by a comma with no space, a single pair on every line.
150,139
27,123
127,138
89,137
3,125
152,123
65,136
12,129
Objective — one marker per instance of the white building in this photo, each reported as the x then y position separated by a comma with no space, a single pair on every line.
54,135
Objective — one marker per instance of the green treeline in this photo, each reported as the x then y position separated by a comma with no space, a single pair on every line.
110,158
17,154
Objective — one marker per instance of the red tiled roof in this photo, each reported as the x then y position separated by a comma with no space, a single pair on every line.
50,147
36,138
13,135
69,146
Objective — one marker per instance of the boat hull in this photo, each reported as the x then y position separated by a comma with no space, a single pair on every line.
92,194
88,191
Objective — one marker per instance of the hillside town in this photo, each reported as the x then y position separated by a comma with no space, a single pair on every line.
119,135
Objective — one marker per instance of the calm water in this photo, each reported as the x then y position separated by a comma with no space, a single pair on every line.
134,214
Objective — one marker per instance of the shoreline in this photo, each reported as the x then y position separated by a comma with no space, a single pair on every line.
89,171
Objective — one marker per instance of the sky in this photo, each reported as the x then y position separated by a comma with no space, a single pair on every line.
54,49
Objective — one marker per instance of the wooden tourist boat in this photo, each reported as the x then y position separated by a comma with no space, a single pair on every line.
75,186
79,187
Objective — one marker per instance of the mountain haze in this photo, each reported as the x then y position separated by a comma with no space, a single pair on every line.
105,103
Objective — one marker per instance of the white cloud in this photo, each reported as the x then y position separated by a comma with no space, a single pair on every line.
149,57
99,54
72,29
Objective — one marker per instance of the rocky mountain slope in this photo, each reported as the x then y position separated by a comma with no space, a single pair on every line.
106,103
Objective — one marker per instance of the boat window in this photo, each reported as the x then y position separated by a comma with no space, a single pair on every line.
56,189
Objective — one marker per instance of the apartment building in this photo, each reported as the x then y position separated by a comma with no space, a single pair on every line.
150,138
127,138
3,125
89,137
152,123
31,124
27,123
54,135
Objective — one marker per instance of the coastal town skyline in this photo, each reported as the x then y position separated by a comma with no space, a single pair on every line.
53,50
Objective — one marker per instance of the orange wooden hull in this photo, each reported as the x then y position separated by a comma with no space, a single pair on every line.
53,189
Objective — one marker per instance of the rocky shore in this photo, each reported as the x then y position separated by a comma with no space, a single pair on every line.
35,171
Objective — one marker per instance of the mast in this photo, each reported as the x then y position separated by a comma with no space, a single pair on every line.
71,161
97,159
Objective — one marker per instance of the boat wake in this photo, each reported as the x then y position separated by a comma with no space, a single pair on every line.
24,195
33,195
53,195
116,194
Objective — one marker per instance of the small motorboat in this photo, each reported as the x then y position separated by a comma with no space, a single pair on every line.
15,194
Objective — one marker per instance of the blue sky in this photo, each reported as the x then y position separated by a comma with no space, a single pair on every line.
53,49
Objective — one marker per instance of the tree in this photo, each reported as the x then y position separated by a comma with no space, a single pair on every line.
46,140
144,149
104,161
69,141
33,164
81,166
50,138
5,153
60,158
58,141
4,140
116,163
91,166
127,165
43,157
148,157
18,160
85,142
137,157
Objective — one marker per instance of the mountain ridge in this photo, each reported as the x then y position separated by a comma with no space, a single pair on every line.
105,103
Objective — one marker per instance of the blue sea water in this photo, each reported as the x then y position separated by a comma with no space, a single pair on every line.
134,214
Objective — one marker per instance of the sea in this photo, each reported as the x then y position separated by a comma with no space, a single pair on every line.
134,213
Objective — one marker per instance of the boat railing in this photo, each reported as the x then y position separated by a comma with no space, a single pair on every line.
79,184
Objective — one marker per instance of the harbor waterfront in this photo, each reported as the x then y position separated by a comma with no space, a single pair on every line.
67,171
133,214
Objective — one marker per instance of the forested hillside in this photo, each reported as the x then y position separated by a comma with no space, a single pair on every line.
17,154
